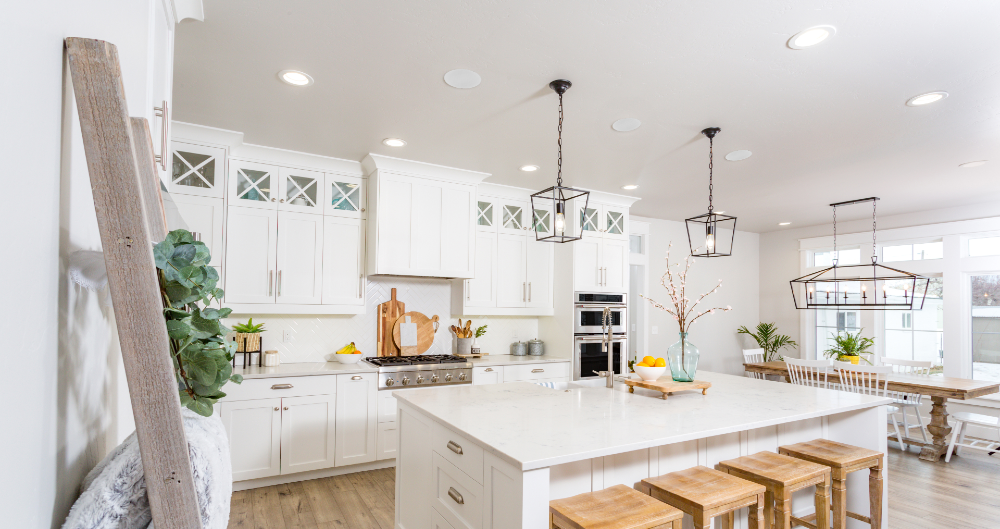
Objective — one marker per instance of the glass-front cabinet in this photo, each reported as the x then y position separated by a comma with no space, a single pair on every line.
197,170
253,185
614,222
541,222
514,217
345,196
300,191
486,214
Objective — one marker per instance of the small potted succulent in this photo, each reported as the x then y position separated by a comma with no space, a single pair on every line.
849,347
248,336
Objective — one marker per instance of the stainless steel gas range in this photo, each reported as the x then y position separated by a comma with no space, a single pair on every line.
397,372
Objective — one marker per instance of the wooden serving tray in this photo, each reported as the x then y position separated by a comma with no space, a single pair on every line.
666,385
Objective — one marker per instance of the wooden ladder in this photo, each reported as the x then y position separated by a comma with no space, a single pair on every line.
130,217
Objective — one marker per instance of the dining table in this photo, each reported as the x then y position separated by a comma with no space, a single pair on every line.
939,389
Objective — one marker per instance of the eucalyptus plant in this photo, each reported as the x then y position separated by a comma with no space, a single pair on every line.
202,356
769,340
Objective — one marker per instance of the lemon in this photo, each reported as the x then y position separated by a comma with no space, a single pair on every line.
648,360
660,363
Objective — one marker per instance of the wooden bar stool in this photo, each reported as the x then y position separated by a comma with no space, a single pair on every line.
842,460
783,475
705,493
617,507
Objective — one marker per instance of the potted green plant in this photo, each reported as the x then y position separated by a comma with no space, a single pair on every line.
248,336
769,340
849,347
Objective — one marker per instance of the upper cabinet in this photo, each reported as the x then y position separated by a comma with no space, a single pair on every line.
253,185
600,259
421,218
300,191
345,196
197,170
602,220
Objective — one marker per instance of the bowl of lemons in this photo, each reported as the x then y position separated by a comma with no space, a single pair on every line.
349,354
650,368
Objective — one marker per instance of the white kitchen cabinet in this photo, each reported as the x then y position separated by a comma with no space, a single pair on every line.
539,272
343,261
197,170
614,260
299,258
300,191
251,255
602,220
615,222
308,426
547,372
514,216
253,185
512,284
486,209
487,375
481,290
254,431
587,273
345,196
202,216
387,441
357,418
161,81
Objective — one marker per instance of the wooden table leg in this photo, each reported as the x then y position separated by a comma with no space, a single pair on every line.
875,486
823,504
940,431
756,518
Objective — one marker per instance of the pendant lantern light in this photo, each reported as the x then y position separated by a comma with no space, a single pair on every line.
861,286
554,203
711,234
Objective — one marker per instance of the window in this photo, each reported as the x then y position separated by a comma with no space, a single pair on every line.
847,257
985,327
984,246
635,244
917,334
913,252
830,323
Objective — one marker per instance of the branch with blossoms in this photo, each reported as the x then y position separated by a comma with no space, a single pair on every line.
676,288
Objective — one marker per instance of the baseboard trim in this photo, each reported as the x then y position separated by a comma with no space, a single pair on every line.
313,474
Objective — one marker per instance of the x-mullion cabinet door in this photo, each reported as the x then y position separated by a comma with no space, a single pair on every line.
251,251
254,431
308,433
615,222
344,196
486,214
253,185
197,170
299,259
343,271
587,221
514,217
300,191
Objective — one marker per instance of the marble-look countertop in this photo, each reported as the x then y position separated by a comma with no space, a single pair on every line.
535,427
301,369
507,360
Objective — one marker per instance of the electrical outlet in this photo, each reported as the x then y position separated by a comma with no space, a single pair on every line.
286,336
654,330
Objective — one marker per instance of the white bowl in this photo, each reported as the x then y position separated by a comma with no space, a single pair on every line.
649,373
349,359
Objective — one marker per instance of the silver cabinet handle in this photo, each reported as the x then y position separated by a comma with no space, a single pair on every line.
455,447
488,370
279,282
281,386
161,112
361,285
286,408
468,291
456,496
524,292
529,291
357,377
537,370
270,282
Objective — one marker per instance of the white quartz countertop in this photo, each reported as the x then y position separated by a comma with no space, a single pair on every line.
535,427
304,369
506,360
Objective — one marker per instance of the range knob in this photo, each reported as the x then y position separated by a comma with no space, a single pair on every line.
434,378
390,381
461,376
447,378
420,379
406,381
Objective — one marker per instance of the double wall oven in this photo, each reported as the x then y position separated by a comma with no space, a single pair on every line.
588,351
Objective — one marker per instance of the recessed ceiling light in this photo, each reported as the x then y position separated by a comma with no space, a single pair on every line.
626,124
529,168
969,165
295,77
630,187
926,99
394,142
811,37
784,223
462,79
736,156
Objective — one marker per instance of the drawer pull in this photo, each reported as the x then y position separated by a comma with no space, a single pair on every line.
281,386
456,496
488,370
454,447
356,377
537,370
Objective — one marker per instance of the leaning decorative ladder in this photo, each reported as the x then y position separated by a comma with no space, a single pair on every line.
130,217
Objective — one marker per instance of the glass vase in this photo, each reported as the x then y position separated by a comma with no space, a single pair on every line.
682,357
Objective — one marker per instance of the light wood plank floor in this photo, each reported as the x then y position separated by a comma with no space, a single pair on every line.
961,494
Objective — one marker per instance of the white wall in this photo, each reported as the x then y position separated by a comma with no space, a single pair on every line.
714,334
60,383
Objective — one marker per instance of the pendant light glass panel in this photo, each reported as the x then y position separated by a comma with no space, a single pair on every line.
711,235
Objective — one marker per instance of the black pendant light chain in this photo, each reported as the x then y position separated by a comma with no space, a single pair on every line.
711,142
874,256
559,175
836,256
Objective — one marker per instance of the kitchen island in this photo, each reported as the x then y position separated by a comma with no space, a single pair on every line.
492,456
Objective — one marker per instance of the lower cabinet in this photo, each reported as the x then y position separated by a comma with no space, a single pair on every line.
544,372
487,375
356,418
388,441
254,431
308,425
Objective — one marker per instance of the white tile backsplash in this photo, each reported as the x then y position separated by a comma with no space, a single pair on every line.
315,338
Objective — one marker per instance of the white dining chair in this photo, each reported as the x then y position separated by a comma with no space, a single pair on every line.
812,373
962,422
753,355
868,380
905,401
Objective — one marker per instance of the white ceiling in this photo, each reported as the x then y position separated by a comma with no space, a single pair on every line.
824,124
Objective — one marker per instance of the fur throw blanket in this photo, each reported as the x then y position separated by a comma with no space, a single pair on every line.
114,493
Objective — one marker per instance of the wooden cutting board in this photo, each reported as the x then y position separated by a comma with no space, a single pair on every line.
388,313
426,327
666,385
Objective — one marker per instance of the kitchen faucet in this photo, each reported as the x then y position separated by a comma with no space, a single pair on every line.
606,328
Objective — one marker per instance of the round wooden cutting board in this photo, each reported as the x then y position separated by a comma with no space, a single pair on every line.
426,327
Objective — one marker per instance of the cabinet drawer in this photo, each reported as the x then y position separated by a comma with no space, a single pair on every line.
266,388
387,441
439,522
386,407
487,375
520,373
456,496
459,450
